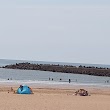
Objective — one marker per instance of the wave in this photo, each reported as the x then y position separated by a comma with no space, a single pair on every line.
51,83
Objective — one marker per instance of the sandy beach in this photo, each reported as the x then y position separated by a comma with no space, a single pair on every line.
54,99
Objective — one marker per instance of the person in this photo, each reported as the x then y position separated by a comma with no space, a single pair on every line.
31,90
11,89
69,80
107,81
49,78
21,87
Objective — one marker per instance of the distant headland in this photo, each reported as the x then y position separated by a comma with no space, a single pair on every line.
87,70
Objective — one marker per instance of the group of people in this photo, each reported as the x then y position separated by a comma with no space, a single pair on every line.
9,79
69,80
81,92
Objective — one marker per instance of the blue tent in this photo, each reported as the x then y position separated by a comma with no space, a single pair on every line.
24,90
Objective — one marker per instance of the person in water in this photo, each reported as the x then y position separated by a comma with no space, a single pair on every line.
69,80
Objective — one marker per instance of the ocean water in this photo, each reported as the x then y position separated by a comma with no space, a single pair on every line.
41,78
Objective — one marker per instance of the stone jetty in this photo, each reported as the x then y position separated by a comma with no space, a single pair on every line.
96,71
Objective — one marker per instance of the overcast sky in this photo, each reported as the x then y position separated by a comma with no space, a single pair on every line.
76,31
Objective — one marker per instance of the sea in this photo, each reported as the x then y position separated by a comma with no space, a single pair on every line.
50,79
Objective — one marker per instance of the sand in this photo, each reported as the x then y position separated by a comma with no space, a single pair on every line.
54,99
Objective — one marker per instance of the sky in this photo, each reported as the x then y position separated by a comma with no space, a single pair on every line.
75,31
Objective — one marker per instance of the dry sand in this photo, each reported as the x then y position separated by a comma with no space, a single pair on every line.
54,99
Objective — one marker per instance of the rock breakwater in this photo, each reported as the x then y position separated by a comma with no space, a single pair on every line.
96,71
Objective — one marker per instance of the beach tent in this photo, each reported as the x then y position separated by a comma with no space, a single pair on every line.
23,89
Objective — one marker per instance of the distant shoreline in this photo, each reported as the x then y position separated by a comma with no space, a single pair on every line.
87,70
